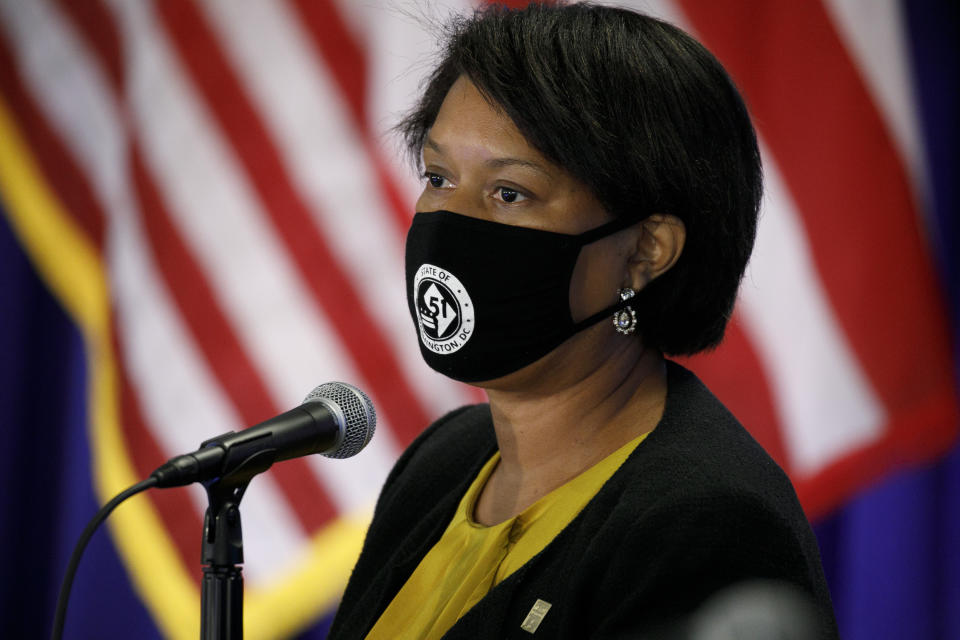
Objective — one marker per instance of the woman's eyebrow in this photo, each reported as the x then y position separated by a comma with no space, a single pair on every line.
433,144
495,163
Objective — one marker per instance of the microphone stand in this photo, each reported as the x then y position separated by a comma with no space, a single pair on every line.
221,595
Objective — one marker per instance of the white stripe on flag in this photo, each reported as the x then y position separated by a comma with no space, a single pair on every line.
666,10
825,402
271,309
173,382
325,157
398,53
873,33
402,43
823,398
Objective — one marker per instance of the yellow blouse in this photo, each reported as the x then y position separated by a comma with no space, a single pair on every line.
470,559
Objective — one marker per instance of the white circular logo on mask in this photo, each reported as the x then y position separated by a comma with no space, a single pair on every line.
444,309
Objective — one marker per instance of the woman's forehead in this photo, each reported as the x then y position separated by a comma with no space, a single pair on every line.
467,122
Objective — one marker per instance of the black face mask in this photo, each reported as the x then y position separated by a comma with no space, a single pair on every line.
488,298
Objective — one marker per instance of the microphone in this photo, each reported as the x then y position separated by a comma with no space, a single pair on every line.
336,420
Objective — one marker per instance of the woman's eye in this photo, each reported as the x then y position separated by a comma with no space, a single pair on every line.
435,180
510,195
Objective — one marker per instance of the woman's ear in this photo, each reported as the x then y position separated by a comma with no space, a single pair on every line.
657,249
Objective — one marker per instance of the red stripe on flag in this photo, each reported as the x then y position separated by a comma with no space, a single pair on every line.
337,46
917,437
95,21
347,60
211,330
73,190
174,506
220,346
56,164
226,98
848,181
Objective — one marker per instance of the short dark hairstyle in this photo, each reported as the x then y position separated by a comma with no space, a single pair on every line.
642,114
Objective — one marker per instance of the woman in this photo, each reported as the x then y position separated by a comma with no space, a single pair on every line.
581,164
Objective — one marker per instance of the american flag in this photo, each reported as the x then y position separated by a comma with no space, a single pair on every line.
208,189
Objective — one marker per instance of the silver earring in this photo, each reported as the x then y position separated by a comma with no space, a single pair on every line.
625,320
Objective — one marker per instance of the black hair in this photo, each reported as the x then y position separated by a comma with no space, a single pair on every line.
645,116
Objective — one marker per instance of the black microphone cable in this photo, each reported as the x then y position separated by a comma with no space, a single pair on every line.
81,545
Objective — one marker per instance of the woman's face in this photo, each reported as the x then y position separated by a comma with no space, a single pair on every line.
478,164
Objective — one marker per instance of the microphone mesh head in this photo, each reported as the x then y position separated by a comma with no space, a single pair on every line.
359,418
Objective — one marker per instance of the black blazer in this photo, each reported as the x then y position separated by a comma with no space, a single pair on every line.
698,506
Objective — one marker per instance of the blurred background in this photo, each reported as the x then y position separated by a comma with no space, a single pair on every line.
202,218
